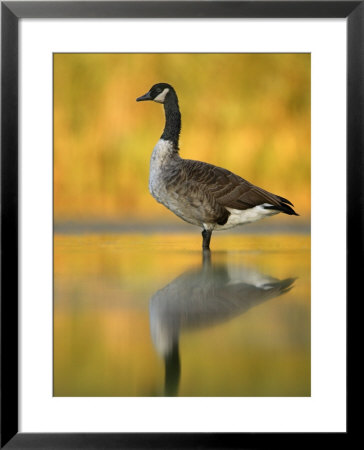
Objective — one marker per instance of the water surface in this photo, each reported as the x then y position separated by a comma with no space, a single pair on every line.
150,315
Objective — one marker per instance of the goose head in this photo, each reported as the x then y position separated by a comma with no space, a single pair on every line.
159,93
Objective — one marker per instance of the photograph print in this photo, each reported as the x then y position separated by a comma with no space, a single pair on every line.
182,191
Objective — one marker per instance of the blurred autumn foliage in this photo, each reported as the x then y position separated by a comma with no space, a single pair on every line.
249,113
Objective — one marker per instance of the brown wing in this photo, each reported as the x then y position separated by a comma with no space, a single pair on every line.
230,190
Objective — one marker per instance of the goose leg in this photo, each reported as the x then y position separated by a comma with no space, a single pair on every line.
206,237
206,258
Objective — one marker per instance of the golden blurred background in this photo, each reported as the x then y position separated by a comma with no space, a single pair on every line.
249,113
102,314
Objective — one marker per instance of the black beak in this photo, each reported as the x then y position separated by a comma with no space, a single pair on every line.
144,97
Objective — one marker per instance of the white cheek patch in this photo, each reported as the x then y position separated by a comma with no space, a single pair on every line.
160,98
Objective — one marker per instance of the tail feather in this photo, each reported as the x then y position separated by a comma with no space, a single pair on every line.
284,200
283,286
282,207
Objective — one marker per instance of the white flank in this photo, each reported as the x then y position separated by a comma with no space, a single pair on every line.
247,275
240,217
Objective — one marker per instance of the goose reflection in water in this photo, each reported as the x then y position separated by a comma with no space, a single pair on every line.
208,295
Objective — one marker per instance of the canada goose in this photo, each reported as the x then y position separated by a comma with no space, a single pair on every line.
200,193
201,297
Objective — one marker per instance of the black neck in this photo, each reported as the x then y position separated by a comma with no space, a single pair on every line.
172,127
172,371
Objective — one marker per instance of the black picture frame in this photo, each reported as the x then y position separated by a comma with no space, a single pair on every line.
11,12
